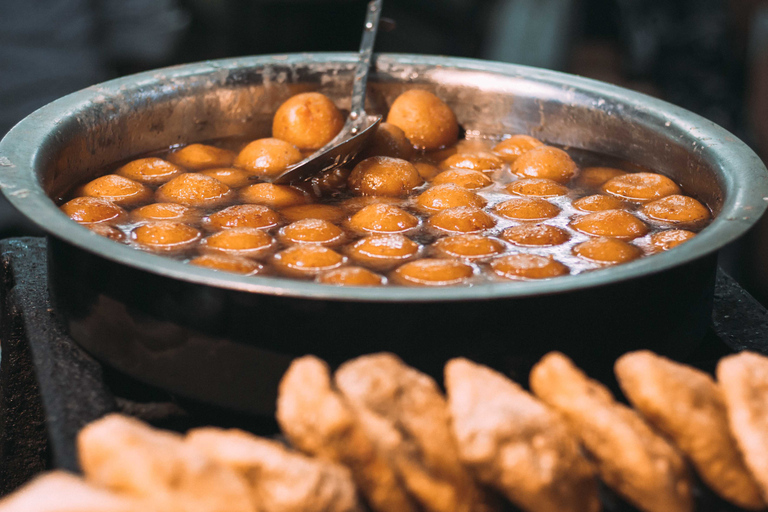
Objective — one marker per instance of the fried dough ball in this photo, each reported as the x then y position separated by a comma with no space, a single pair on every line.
350,276
383,251
510,149
545,162
165,211
227,263
433,272
527,209
230,176
631,458
404,412
470,247
243,242
92,210
311,231
515,444
528,266
107,231
537,187
743,380
462,219
308,120
610,223
330,181
389,140
383,218
325,212
466,178
202,156
677,209
607,251
473,146
354,204
166,236
426,171
127,456
384,176
686,405
274,196
150,171
427,121
473,162
640,187
449,195
195,190
597,203
307,260
279,479
593,177
535,235
243,216
666,240
118,190
268,157
315,419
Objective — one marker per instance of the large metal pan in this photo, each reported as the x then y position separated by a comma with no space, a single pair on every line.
226,339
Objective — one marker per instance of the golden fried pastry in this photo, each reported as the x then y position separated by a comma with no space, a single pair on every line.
150,171
466,178
640,187
473,162
384,176
426,171
537,187
462,219
545,162
404,412
535,235
268,157
510,149
686,405
515,444
228,263
243,216
389,140
607,251
597,203
593,177
325,212
166,236
383,218
469,246
311,231
230,176
354,204
631,458
743,380
427,121
610,223
528,266
306,260
202,156
118,190
274,196
243,242
107,231
280,480
527,209
666,240
676,209
308,120
350,276
129,457
195,190
330,181
317,420
382,252
92,210
449,195
432,272
165,211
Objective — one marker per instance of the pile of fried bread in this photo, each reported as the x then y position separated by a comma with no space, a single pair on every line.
379,435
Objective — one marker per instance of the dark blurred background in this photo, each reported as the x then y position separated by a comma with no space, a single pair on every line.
709,56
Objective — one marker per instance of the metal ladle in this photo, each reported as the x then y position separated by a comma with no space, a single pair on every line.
359,127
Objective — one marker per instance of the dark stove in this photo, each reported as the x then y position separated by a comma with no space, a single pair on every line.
50,388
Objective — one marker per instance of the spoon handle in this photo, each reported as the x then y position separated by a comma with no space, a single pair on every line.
373,13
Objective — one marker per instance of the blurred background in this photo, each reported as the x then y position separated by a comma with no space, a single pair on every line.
709,56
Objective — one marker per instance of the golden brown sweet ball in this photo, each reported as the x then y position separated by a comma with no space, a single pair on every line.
382,252
382,218
150,171
384,176
311,231
607,251
107,231
243,216
466,178
462,219
426,170
535,235
537,187
428,122
593,177
166,236
610,223
545,162
230,176
196,190
640,187
306,260
243,242
274,196
483,162
528,266
354,204
327,212
308,120
666,240
598,203
166,211
268,157
351,276
449,195
117,189
510,149
433,272
389,140
330,181
202,156
228,263
527,209
677,209
468,246
473,146
90,210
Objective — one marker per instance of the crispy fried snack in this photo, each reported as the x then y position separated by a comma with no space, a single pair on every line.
129,457
631,458
516,444
743,379
315,418
281,480
686,405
